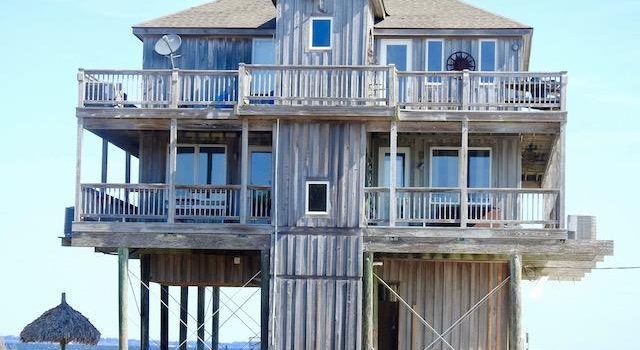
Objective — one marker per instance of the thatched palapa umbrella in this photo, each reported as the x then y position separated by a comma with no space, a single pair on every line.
63,325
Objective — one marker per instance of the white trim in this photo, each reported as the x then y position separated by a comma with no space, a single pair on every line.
263,149
306,197
426,54
495,54
253,46
310,33
386,42
431,149
407,164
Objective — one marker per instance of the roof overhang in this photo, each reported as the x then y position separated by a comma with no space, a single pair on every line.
253,32
378,8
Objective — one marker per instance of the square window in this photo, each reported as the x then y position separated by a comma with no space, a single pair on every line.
317,197
320,33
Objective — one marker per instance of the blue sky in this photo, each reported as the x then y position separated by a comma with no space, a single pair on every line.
45,41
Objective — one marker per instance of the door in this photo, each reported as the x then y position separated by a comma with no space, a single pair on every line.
388,316
402,179
263,81
398,53
260,182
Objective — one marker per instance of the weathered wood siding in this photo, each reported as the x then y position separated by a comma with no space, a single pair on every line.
443,291
351,23
319,291
200,52
507,59
505,156
329,151
204,269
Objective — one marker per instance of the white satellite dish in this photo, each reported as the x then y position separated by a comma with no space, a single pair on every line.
168,45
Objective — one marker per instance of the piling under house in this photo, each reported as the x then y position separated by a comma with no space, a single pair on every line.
386,171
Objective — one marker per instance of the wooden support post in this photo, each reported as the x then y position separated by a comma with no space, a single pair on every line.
78,201
367,302
174,88
144,302
464,170
392,86
563,91
244,172
264,298
123,302
243,84
200,318
80,77
393,145
127,168
562,154
164,317
515,312
466,90
184,313
215,320
173,154
105,156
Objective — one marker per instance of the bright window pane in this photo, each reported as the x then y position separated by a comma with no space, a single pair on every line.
321,33
261,168
444,168
488,56
397,54
434,58
479,169
263,52
185,165
212,168
400,164
317,197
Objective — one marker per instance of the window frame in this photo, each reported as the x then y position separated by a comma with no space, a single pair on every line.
490,149
383,51
488,80
382,151
262,149
306,195
253,51
426,60
320,48
195,169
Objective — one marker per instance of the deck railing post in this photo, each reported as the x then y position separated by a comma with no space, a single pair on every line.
563,91
81,87
173,150
244,171
174,88
78,201
393,147
462,181
392,91
466,89
243,83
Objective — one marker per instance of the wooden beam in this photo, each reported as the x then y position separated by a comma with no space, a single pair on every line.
464,232
173,150
264,298
184,313
176,228
144,302
127,167
393,154
462,179
164,317
105,156
244,171
515,304
123,302
200,318
562,216
215,319
367,302
78,199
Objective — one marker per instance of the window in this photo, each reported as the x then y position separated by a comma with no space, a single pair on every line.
445,166
487,58
320,33
435,59
263,51
397,52
201,165
317,197
402,166
261,166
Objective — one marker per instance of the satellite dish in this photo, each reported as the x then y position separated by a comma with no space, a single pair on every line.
168,45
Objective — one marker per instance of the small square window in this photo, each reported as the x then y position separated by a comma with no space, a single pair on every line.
320,33
317,197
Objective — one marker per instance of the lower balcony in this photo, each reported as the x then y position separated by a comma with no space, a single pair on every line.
508,208
215,204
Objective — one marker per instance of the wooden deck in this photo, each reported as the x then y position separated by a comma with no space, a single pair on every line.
298,91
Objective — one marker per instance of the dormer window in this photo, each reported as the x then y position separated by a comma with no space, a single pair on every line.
320,33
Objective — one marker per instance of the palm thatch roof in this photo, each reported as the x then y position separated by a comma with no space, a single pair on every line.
63,325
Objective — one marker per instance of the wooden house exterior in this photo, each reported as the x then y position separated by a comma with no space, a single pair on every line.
387,171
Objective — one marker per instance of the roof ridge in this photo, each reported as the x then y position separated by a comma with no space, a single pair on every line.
142,24
492,13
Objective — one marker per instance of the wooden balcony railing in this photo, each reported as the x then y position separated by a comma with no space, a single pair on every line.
487,207
271,86
193,203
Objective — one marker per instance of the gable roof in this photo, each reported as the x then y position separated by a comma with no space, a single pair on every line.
252,14
442,14
402,14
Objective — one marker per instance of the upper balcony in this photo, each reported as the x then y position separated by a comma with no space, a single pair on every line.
319,91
